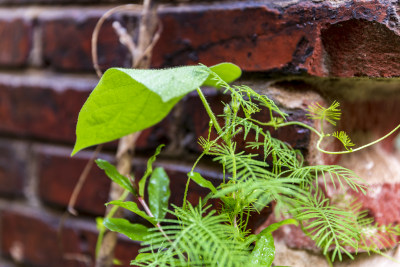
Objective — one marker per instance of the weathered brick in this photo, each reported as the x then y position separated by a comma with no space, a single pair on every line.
282,37
58,174
378,49
16,41
13,167
34,238
47,108
71,50
42,107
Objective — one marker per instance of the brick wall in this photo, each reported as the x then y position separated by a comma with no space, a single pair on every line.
296,51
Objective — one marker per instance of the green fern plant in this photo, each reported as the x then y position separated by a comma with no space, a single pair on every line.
201,235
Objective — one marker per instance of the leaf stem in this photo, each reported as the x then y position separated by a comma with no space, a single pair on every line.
357,149
148,211
109,215
209,111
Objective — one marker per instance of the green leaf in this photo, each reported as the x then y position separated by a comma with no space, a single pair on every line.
117,262
226,71
159,193
99,223
133,207
115,176
264,251
275,226
149,170
135,231
195,176
131,100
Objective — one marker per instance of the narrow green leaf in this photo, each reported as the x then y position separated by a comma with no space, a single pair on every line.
133,207
272,227
226,71
135,231
195,176
159,193
264,251
115,176
149,170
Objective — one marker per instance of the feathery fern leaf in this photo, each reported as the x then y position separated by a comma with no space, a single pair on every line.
333,173
195,239
329,226
344,138
263,191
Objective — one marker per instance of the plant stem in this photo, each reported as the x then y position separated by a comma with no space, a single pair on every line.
148,211
357,149
328,260
109,215
209,111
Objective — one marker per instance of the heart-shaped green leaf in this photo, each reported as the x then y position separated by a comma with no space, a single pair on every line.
130,100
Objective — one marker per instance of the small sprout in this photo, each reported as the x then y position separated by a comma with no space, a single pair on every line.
344,138
331,114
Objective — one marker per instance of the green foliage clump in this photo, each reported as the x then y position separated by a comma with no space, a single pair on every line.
201,235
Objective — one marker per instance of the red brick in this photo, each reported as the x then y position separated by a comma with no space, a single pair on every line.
47,108
71,50
13,167
16,42
42,243
42,107
315,38
58,174
382,202
378,49
292,38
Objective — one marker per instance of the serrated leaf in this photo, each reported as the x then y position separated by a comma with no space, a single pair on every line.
198,179
112,172
133,207
226,71
149,170
130,100
264,251
159,193
134,231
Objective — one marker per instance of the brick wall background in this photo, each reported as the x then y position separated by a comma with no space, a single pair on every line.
296,51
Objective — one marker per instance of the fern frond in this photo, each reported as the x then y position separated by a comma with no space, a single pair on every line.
344,138
196,239
282,154
333,173
244,90
330,114
243,165
329,226
263,191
